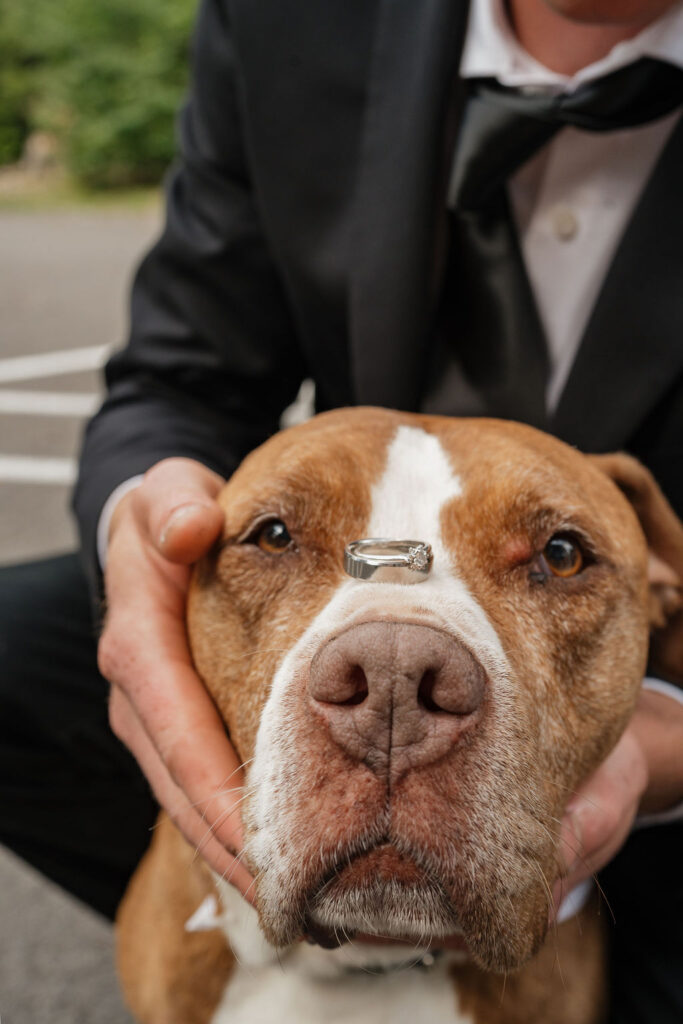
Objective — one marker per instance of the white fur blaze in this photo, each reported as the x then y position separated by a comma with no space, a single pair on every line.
416,484
407,502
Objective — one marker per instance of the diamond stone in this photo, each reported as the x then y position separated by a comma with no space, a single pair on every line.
418,557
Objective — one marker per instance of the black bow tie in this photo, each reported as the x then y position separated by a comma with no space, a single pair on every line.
502,128
493,357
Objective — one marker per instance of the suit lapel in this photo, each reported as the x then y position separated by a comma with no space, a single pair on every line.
632,349
401,196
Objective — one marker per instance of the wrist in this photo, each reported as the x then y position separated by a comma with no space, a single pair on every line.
111,515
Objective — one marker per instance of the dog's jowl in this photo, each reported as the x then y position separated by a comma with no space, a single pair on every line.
414,717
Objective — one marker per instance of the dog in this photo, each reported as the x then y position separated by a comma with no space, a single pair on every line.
410,749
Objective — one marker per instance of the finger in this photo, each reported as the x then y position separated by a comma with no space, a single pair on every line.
589,862
600,815
176,508
658,727
170,724
187,818
143,651
182,725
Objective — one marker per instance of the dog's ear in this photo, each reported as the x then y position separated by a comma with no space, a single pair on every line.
664,533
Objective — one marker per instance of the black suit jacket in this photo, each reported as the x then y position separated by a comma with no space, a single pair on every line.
305,236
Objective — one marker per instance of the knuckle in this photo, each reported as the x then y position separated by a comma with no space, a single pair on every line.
166,471
159,469
172,759
615,821
107,655
604,825
184,819
178,759
114,651
118,718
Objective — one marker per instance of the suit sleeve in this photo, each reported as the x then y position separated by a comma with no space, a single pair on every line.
213,357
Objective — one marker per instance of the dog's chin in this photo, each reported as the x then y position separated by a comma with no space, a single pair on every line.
385,894
387,910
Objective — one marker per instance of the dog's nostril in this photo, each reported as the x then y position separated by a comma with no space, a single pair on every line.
425,692
358,687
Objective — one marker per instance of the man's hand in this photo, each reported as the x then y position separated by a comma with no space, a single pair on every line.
643,774
158,706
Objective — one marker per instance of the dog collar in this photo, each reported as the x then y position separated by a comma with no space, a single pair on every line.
426,962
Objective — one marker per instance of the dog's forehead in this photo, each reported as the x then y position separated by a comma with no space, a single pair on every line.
417,480
398,471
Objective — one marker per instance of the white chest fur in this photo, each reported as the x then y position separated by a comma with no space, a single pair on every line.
286,996
308,985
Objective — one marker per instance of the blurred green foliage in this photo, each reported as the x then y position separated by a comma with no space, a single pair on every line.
18,60
105,77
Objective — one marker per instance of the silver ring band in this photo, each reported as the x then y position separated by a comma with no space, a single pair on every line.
380,560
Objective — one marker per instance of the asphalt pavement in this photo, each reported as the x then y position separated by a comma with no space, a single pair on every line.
64,278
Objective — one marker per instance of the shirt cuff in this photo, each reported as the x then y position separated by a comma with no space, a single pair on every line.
674,813
575,900
104,522
668,689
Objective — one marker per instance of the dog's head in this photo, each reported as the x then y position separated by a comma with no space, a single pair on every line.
412,747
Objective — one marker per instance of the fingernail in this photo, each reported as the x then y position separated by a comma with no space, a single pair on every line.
178,516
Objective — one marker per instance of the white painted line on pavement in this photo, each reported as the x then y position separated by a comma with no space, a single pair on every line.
48,403
30,470
52,364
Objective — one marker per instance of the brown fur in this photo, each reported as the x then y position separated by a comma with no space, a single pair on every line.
577,649
563,984
169,976
664,533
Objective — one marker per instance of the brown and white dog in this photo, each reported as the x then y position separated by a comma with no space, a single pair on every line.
409,749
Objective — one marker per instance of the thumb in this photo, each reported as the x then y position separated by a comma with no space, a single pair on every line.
177,507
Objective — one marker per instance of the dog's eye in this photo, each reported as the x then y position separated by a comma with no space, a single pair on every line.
563,556
272,537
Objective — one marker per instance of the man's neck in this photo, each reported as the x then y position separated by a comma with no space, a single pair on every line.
566,45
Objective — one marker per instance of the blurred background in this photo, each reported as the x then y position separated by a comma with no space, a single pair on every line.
88,95
93,87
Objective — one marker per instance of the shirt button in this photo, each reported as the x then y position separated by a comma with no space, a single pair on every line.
565,223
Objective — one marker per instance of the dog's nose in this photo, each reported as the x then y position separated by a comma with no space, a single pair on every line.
396,695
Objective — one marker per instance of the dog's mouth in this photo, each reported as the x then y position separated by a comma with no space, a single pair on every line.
381,892
385,888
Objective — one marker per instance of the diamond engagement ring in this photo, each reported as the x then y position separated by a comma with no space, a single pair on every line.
388,561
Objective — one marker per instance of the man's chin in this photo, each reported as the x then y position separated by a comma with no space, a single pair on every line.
637,13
